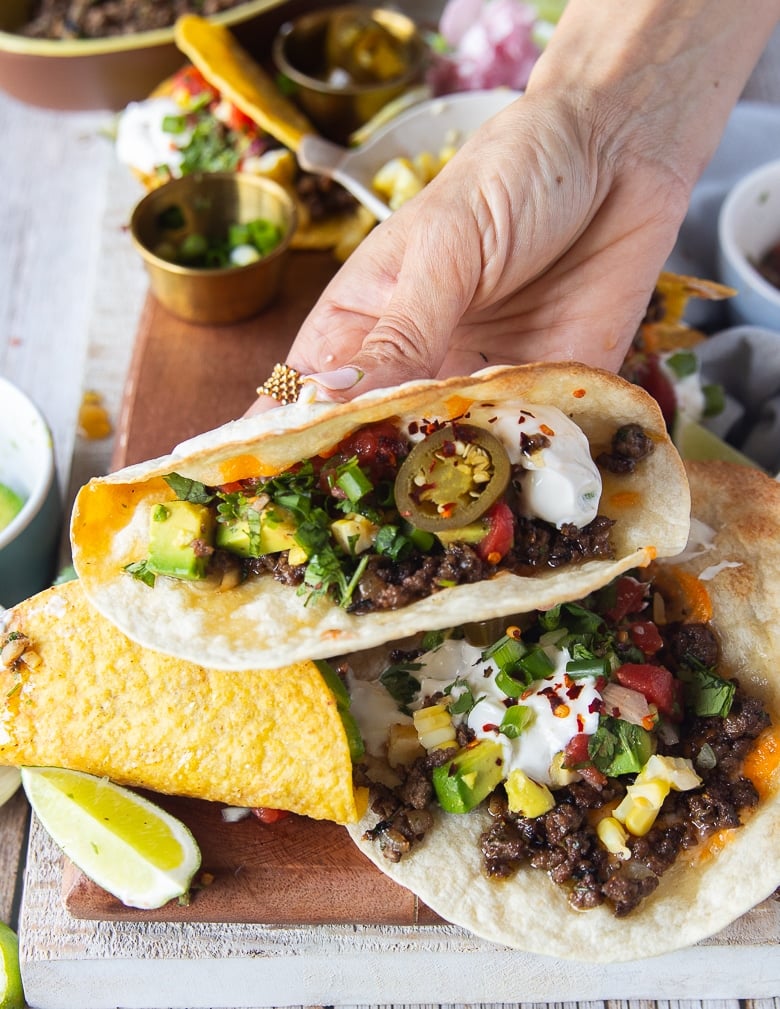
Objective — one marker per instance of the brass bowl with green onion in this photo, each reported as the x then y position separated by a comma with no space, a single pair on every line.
215,245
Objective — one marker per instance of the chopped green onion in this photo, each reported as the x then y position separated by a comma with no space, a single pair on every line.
353,481
593,666
516,720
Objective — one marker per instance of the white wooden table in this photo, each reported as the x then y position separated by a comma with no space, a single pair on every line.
71,290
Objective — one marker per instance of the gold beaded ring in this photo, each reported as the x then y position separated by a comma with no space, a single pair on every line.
284,384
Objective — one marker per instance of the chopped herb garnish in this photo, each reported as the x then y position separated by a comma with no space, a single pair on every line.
618,747
399,681
706,693
139,570
189,490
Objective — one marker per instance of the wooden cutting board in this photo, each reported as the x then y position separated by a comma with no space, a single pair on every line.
183,380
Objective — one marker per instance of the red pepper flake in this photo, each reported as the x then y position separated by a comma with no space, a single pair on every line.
578,393
446,510
414,427
545,429
490,727
648,722
562,711
514,632
574,691
595,706
493,557
580,723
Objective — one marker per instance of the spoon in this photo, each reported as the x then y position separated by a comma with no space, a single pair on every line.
427,126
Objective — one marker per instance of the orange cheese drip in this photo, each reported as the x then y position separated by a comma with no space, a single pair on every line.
763,760
625,499
457,406
93,420
240,467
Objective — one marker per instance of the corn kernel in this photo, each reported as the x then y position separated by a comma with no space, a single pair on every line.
613,836
677,771
641,805
434,727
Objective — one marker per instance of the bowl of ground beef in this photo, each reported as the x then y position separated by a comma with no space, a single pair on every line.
103,54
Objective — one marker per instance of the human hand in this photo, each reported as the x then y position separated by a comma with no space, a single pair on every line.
529,245
543,238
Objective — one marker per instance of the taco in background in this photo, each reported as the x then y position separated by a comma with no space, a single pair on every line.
602,783
76,693
319,529
222,112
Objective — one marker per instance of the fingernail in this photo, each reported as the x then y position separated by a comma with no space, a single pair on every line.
337,381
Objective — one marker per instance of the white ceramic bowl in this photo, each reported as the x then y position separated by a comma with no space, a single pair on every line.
29,543
749,225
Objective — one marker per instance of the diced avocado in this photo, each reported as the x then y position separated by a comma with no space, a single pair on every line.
526,796
472,774
474,532
254,534
177,532
10,505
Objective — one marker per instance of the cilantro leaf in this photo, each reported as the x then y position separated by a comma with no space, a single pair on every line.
189,490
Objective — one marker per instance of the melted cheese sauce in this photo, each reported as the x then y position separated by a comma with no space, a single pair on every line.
561,483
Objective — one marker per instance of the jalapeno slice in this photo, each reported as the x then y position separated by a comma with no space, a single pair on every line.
451,477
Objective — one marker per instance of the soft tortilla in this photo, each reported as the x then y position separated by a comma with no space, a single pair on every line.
529,911
264,624
96,702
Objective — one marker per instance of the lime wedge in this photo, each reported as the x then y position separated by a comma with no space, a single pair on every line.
11,994
10,505
696,442
121,841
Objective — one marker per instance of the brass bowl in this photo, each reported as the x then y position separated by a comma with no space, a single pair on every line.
210,203
345,63
99,73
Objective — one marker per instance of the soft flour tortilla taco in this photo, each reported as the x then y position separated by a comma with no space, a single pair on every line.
222,112
76,693
319,529
628,782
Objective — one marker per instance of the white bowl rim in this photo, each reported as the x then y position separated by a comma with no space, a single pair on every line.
11,42
729,247
36,498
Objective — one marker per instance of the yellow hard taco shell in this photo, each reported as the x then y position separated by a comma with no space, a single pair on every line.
82,696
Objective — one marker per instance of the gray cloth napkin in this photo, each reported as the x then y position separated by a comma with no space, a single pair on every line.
745,360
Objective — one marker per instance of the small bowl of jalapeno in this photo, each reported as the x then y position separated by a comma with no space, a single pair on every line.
343,64
215,245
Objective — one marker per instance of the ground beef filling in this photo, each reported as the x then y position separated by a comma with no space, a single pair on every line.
88,19
390,584
563,842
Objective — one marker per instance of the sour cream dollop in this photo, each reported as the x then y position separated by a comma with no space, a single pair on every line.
141,141
561,707
561,484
